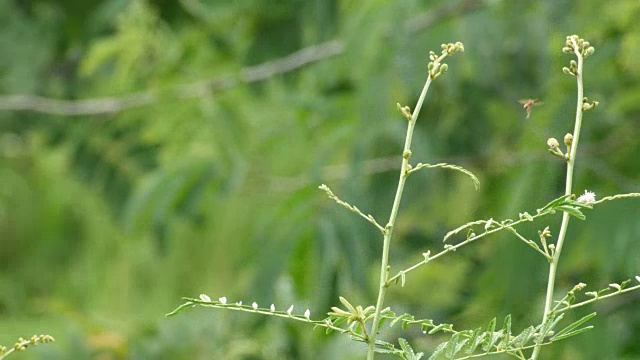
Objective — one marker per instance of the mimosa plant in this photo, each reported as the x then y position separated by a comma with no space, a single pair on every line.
363,323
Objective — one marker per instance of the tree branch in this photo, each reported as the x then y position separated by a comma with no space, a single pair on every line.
109,105
247,75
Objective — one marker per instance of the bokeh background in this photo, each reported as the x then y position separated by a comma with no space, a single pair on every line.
151,150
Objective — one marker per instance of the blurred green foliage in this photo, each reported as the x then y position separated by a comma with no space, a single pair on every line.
107,218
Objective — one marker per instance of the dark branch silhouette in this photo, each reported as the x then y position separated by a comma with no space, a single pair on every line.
247,75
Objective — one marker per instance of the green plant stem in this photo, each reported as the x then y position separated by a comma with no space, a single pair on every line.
600,297
384,266
246,308
479,236
7,353
463,243
553,266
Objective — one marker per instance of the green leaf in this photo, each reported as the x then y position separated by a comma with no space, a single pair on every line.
571,211
506,331
506,327
572,333
381,322
493,339
472,176
348,305
461,344
339,320
554,203
578,204
400,318
625,284
180,308
524,337
571,329
476,339
439,328
408,350
452,346
438,351
547,327
490,330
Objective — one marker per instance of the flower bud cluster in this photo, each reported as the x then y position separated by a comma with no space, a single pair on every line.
435,67
578,46
575,44
554,146
452,48
406,111
22,344
548,249
544,233
572,69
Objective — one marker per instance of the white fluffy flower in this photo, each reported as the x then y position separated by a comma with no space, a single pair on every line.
290,310
223,300
254,305
272,308
307,313
587,198
205,297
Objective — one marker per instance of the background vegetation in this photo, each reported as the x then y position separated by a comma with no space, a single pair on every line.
196,169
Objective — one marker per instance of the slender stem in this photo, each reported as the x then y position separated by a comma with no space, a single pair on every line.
597,298
384,265
553,266
448,249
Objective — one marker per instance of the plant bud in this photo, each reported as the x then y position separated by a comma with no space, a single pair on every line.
553,143
590,50
568,139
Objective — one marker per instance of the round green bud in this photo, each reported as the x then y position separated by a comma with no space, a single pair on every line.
568,139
